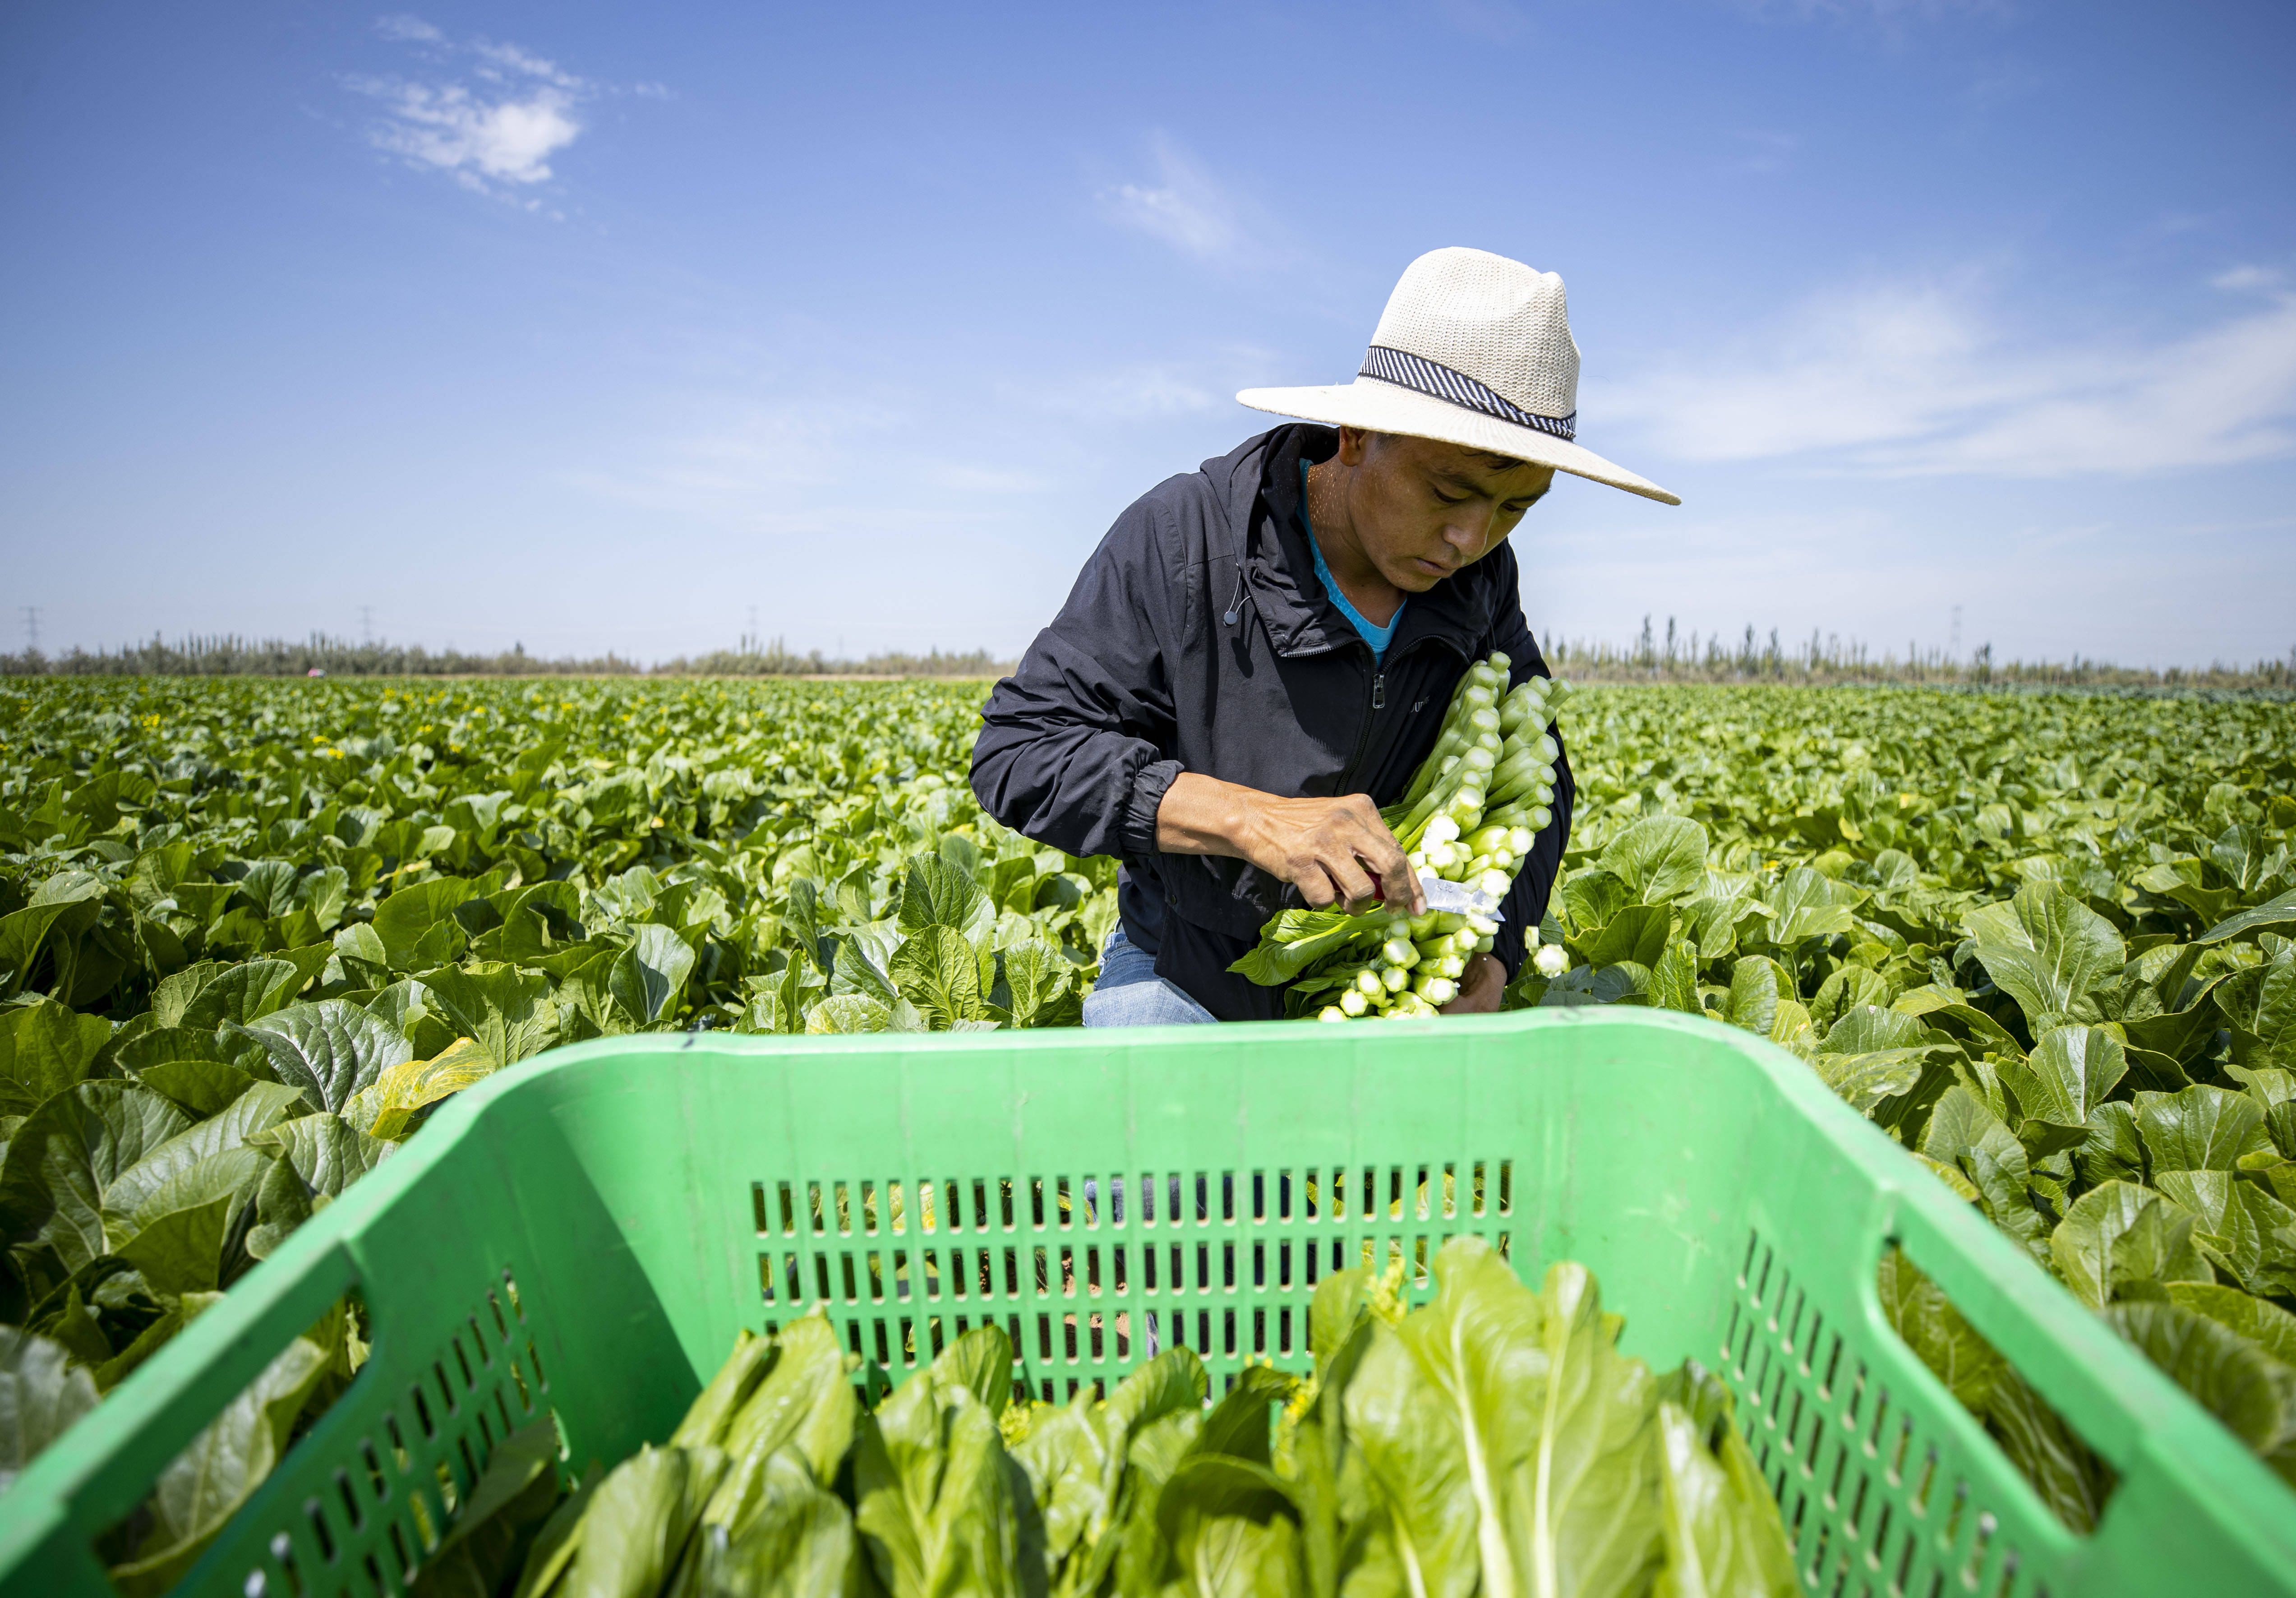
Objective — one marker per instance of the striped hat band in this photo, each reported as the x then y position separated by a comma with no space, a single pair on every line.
1438,382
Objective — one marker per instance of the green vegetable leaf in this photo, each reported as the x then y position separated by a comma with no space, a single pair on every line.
646,981
41,1395
936,1495
67,1152
2277,913
2049,952
506,1010
1296,939
639,1520
1636,935
2202,1128
935,893
1872,1054
512,1496
798,1542
1921,1314
203,1487
2071,1479
2223,1228
1065,1456
326,1152
44,1048
2067,1076
1659,857
417,923
936,971
1808,903
2262,1323
234,995
848,1012
2119,1233
708,1417
329,1049
2232,1378
1230,1529
1717,1545
803,1403
1583,1505
181,1250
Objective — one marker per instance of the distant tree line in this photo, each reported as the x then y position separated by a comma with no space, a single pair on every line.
1827,657
1673,658
230,655
773,660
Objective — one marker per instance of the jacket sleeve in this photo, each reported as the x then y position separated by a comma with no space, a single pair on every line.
1525,904
1074,750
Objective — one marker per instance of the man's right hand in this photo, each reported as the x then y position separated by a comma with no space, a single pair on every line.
1336,852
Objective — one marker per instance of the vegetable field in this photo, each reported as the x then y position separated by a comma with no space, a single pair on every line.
251,933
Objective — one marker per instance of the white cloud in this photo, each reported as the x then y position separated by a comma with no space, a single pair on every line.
1915,379
2241,278
496,132
480,142
514,59
407,30
1185,208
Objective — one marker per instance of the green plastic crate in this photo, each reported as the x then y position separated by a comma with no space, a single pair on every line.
588,1231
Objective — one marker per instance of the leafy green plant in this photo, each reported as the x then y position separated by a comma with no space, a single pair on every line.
2046,944
1494,1441
252,935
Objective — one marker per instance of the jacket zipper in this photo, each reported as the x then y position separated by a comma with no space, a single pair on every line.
1354,773
1378,703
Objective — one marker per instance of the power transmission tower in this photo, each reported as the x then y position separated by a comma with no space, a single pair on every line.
1956,633
366,624
31,628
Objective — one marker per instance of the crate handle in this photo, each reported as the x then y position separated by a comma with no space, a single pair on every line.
2072,1359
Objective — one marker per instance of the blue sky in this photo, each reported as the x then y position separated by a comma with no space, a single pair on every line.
593,327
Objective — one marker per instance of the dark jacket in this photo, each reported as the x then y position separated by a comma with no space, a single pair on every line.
1198,638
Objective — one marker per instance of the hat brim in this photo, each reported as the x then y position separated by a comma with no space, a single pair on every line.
1387,408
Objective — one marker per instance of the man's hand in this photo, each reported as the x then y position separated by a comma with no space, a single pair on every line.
1480,988
1336,852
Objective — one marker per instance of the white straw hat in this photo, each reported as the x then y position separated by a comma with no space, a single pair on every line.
1473,348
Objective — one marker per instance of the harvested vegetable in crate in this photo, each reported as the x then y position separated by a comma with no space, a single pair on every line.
1493,1441
1474,807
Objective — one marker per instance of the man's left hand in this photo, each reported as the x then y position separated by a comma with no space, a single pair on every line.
1480,988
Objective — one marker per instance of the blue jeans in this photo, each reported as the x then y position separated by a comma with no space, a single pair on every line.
1130,994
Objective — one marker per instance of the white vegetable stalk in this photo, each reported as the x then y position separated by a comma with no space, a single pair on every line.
1471,815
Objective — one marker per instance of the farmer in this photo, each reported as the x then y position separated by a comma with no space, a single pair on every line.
1259,655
